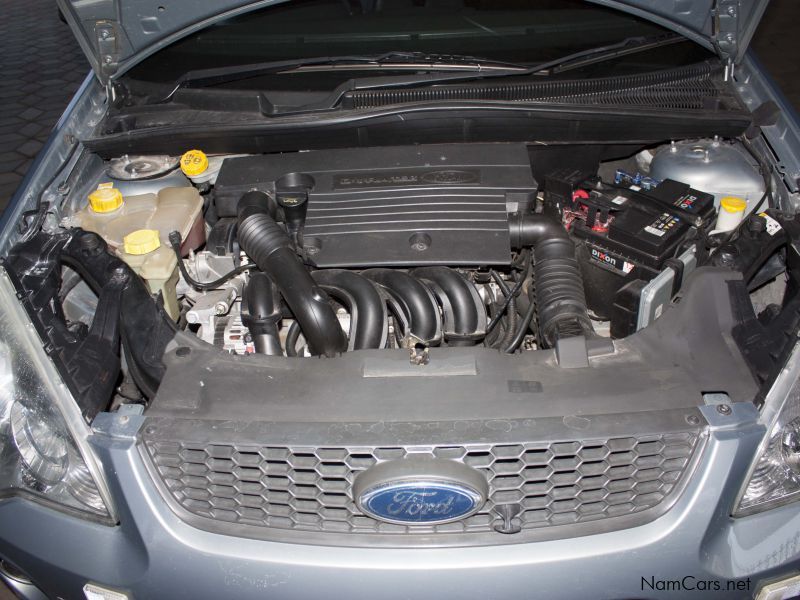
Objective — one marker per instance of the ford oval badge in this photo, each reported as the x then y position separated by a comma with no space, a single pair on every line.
420,491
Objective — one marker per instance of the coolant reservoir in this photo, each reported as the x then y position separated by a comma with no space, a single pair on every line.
137,227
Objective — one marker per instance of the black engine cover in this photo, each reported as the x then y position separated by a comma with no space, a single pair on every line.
394,206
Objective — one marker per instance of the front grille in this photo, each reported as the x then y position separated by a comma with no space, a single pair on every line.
309,488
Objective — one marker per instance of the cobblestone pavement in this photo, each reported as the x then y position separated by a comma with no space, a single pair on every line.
41,66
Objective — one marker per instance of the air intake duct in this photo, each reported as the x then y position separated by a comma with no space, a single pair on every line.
262,313
271,249
560,299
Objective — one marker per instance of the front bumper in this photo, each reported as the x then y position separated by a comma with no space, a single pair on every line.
153,554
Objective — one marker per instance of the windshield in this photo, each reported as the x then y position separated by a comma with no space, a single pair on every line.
518,31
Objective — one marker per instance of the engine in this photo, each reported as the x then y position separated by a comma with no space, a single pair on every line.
429,246
447,245
320,253
433,254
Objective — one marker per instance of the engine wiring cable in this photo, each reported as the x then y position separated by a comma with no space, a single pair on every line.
522,330
514,292
202,286
511,317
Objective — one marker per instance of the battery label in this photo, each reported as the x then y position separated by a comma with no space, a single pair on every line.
686,202
612,261
662,225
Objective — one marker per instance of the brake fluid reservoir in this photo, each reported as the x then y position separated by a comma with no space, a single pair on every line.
137,227
731,213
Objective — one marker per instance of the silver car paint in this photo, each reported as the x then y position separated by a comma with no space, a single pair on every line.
153,554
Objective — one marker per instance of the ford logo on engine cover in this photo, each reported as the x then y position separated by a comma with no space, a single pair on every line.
420,491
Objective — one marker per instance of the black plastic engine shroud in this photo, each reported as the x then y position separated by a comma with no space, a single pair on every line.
394,206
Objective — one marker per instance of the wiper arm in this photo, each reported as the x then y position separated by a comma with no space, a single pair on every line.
216,76
570,61
575,60
483,68
598,55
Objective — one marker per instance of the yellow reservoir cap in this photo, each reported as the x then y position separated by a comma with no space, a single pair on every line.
106,198
141,241
194,163
732,204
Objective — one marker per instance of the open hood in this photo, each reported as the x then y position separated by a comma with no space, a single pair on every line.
115,35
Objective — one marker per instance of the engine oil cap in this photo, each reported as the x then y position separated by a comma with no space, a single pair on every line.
194,163
732,204
106,198
141,241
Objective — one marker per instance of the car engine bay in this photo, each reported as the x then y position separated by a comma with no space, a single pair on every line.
424,261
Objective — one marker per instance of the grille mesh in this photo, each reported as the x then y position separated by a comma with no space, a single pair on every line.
308,489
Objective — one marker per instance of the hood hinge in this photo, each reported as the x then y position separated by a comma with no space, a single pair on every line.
107,37
726,31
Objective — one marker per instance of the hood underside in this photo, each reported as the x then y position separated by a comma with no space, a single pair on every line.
116,35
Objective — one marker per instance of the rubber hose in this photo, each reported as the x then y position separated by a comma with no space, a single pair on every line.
271,249
291,339
523,329
262,314
557,282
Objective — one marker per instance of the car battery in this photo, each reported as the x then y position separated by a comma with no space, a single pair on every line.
626,236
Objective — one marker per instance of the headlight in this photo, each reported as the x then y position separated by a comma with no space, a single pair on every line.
774,477
44,454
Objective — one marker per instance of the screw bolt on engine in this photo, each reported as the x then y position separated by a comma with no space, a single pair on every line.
419,355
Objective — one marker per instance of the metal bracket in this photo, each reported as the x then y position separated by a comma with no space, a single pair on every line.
726,32
107,38
716,398
720,415
123,424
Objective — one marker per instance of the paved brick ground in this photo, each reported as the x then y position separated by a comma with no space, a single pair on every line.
41,66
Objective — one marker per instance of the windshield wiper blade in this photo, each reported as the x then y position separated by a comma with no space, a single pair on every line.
564,63
482,70
429,59
220,75
626,47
